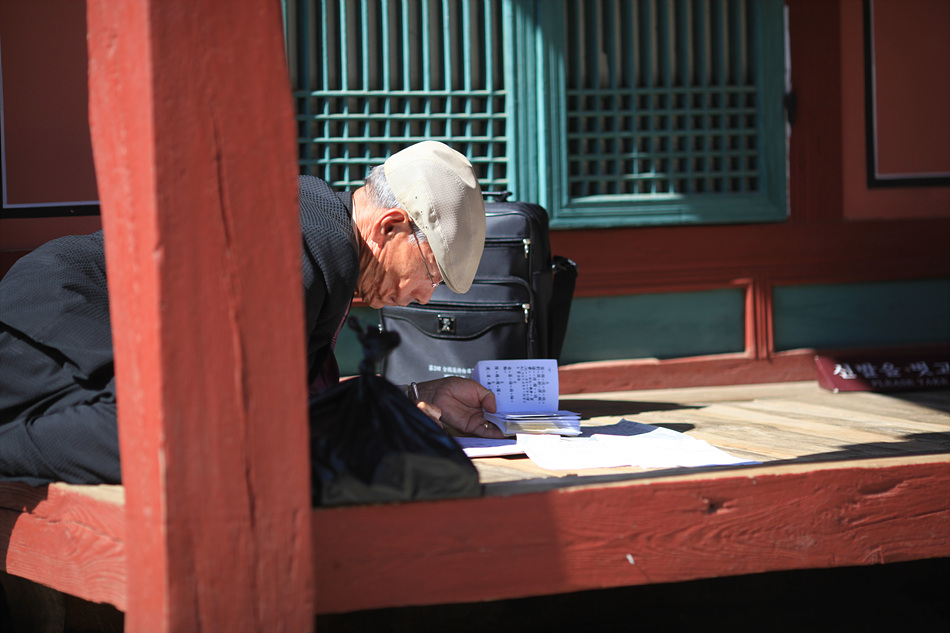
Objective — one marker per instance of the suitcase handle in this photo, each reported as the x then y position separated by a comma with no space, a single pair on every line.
500,196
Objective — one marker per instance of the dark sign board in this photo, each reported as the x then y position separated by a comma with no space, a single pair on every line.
883,374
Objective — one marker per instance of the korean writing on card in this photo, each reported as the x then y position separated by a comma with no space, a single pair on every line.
521,385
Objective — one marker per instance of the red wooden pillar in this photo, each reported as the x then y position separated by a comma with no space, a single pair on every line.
193,136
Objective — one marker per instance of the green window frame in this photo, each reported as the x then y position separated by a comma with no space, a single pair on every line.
605,112
658,111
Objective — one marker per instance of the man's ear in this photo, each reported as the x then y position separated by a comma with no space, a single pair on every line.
390,222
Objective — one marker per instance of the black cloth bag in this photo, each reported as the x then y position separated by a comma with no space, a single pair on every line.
369,443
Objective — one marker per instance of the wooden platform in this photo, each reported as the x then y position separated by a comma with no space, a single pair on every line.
846,479
770,423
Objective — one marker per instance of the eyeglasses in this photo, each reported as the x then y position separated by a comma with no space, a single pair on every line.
431,278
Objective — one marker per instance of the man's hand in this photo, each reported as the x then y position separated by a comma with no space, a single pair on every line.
457,404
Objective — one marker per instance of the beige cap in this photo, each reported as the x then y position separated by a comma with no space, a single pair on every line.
437,186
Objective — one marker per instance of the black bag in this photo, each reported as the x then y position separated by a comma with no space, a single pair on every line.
369,443
517,307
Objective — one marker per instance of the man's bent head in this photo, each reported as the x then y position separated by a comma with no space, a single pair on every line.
438,187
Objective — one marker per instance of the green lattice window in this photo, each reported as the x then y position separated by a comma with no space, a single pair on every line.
663,111
606,112
372,76
661,100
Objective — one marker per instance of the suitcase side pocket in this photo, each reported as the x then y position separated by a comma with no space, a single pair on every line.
447,340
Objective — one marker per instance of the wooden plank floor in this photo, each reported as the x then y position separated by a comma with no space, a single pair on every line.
846,479
770,423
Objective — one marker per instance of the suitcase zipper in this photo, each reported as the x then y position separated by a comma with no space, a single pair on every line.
526,243
433,305
436,306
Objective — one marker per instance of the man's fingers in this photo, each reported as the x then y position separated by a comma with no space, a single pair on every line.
432,411
488,401
488,430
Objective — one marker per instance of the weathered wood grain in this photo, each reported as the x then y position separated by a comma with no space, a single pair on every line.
193,137
633,532
883,416
70,538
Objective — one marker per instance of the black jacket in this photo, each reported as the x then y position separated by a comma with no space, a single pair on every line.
57,396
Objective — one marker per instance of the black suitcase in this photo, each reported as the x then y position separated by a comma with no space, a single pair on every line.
517,307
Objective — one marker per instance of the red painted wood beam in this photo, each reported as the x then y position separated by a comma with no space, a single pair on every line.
659,259
70,538
640,531
694,371
632,533
719,369
816,151
194,144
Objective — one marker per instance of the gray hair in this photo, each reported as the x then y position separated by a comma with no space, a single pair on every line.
382,197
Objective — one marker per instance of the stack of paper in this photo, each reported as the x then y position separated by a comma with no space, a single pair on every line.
526,397
559,422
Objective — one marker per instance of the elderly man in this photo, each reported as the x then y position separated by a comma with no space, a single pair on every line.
418,221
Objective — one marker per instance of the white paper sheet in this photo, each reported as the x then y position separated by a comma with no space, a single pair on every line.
647,447
483,447
556,453
658,451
